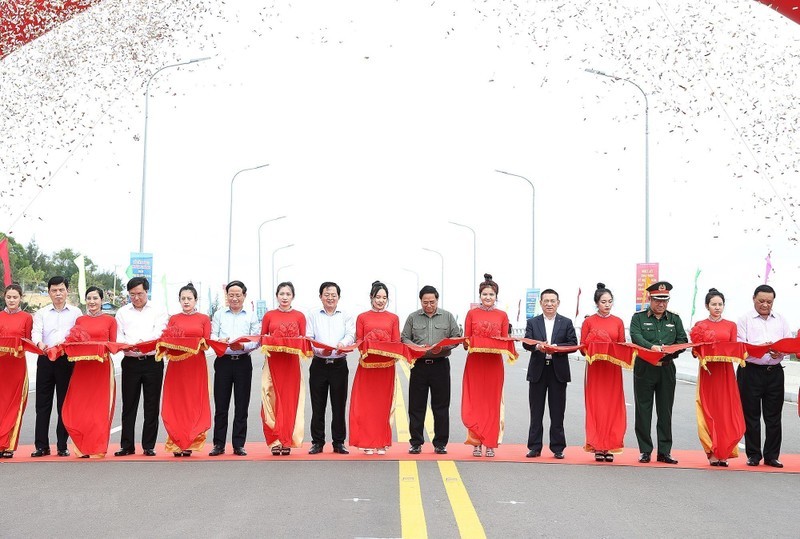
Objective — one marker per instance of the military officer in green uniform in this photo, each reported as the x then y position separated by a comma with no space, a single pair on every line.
655,328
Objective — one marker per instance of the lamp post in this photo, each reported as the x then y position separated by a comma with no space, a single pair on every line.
273,262
474,256
230,214
646,157
278,272
415,273
533,223
441,294
144,152
260,292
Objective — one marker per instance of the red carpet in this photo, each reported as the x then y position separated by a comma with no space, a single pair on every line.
690,459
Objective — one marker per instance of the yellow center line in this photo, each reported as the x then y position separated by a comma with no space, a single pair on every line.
469,525
412,514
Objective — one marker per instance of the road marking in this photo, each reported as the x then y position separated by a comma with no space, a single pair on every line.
412,514
469,525
115,429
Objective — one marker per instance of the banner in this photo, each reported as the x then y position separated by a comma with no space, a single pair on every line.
6,264
646,274
531,300
142,266
81,263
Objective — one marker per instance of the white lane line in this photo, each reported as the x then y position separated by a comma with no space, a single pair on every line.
116,429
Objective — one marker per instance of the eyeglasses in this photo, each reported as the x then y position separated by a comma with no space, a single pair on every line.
137,294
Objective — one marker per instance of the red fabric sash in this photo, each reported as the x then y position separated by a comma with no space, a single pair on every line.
85,351
730,352
179,348
299,346
17,346
505,346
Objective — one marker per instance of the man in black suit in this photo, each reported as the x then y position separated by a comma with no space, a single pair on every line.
548,374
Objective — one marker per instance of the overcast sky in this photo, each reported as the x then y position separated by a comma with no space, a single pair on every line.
381,121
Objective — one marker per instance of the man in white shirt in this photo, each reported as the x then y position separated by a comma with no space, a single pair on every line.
328,370
140,321
51,325
760,382
233,371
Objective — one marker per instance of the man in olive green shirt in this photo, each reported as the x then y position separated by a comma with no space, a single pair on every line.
655,328
426,327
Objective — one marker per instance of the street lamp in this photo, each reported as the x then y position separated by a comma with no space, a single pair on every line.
144,153
230,214
273,261
646,158
260,292
415,273
474,255
533,222
278,272
441,294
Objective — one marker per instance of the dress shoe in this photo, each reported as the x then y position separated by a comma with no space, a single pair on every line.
667,459
315,449
41,453
341,449
644,458
533,453
149,453
217,451
124,452
775,463
7,455
62,452
415,449
751,461
559,455
440,450
239,452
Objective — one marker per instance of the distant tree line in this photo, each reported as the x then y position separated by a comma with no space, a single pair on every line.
31,268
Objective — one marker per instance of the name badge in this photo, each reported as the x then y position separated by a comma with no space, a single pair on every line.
670,325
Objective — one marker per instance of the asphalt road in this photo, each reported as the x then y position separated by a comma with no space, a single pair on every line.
361,499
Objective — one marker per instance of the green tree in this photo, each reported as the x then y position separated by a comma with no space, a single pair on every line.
28,277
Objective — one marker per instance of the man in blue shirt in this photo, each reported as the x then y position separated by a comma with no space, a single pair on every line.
233,371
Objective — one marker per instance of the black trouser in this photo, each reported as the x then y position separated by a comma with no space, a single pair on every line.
141,376
232,374
429,374
51,376
761,389
556,393
325,374
654,382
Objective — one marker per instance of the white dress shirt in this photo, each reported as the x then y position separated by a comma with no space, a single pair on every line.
226,323
754,329
331,329
549,323
51,326
134,325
